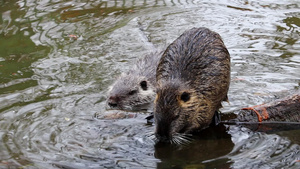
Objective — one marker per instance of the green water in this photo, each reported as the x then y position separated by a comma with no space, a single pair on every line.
57,59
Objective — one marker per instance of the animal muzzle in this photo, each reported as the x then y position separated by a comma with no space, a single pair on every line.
163,131
113,102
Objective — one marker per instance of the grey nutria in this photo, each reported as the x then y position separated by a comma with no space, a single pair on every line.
192,79
134,90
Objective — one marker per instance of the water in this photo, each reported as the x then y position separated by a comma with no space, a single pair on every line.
57,59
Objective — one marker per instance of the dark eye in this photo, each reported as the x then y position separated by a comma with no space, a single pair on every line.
132,92
144,85
185,96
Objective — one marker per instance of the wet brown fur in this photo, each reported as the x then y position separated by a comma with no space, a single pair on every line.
192,78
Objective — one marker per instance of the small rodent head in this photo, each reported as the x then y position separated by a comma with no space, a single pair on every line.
179,110
131,93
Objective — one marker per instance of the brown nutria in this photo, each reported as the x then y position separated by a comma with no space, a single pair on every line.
135,90
192,79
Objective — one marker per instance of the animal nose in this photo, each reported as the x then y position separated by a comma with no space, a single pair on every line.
113,101
162,138
163,133
112,104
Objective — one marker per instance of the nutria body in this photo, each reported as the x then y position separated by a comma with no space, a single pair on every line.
135,90
193,78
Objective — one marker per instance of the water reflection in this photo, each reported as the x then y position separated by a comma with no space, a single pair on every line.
52,86
235,147
288,43
208,144
261,150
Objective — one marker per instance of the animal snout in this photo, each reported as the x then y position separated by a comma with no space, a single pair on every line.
162,138
113,101
163,133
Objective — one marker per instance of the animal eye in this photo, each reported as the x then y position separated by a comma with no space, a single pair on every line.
132,92
185,96
144,85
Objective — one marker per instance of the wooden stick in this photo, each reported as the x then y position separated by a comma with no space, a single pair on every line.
281,110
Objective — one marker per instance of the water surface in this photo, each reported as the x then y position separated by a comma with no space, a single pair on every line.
57,59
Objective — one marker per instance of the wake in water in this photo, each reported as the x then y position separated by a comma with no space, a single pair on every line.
260,150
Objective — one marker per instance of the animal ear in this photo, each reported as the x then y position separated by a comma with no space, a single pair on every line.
185,96
143,85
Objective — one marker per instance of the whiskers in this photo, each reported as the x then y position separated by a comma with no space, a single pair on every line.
181,139
151,136
176,139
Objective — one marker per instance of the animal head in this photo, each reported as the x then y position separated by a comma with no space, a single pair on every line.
179,110
132,93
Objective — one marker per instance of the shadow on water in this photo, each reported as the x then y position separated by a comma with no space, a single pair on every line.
208,144
236,146
57,59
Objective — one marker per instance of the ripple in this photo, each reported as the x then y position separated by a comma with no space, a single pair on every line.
42,134
261,150
50,93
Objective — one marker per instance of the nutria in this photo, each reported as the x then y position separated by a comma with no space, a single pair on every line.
192,79
135,90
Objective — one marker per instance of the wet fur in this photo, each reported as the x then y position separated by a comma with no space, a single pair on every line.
143,70
196,63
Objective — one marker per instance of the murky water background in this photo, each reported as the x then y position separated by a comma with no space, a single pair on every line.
57,59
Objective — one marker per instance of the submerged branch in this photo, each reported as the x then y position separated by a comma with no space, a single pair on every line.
283,112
